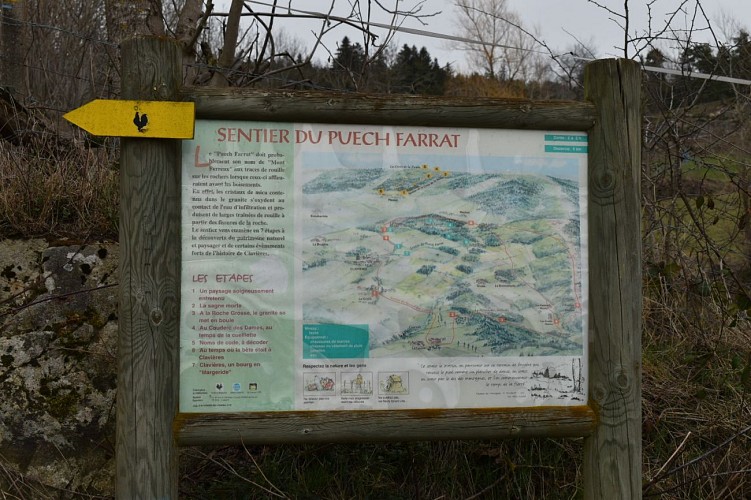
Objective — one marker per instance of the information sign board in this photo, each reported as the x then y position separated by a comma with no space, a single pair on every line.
353,267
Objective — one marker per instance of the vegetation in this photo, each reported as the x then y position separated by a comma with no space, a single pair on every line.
426,269
464,268
696,175
50,192
454,469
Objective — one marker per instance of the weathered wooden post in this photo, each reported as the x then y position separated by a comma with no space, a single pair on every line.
612,454
149,284
13,37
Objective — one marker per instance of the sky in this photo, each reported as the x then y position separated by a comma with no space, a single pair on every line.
559,23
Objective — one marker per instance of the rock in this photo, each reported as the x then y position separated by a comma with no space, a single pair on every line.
58,345
20,269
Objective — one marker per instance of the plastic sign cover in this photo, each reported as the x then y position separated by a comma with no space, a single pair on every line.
342,267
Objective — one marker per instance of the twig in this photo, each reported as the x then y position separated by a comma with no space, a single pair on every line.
202,23
611,11
260,471
487,488
55,297
231,470
667,462
699,458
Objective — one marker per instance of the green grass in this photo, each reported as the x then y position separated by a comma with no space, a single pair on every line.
713,169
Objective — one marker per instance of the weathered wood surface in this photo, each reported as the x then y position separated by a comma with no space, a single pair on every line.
612,455
383,425
149,285
320,107
13,45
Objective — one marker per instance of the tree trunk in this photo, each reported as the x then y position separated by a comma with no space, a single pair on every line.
186,32
126,19
13,40
131,18
227,59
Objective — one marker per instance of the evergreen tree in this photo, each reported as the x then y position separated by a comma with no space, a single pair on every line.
414,72
349,58
740,56
656,84
701,58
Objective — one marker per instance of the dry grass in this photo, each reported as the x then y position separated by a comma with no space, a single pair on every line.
54,191
538,468
696,411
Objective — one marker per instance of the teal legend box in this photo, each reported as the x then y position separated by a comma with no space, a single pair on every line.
331,341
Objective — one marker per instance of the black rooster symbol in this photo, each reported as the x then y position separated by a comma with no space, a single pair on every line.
141,121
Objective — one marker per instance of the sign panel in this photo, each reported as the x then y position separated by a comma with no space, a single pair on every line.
343,267
142,119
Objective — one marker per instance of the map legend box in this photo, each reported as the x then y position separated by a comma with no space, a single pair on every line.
328,341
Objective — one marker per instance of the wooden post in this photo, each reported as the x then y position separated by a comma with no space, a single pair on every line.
612,454
13,38
149,284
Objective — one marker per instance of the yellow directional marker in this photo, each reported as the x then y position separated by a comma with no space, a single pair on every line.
145,119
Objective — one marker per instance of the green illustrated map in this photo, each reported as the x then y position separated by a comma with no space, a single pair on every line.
441,262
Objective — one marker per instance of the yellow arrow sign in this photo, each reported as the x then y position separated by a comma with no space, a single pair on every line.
145,119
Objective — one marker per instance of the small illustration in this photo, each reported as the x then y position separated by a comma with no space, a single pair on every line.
393,382
559,381
253,387
357,383
219,386
236,387
141,121
320,382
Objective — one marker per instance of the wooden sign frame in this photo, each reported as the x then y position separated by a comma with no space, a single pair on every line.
149,429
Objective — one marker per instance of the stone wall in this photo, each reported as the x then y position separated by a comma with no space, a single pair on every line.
58,346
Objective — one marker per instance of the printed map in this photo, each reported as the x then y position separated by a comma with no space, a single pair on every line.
438,262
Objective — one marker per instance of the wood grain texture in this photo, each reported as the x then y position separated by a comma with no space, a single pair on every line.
612,455
383,425
319,107
148,340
